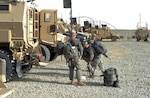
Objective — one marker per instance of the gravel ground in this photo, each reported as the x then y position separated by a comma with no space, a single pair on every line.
131,58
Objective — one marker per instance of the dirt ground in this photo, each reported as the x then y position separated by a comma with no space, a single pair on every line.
131,58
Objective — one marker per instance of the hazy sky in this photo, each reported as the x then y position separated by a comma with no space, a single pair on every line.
122,14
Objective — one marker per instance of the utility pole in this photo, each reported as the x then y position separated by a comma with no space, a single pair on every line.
140,20
68,4
71,15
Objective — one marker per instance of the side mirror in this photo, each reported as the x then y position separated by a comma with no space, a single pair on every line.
52,28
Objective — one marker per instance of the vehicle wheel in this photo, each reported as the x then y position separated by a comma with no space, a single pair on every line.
9,68
145,39
138,39
100,39
46,53
113,38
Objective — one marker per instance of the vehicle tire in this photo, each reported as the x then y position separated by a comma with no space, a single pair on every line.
113,38
145,39
100,39
138,39
9,67
45,52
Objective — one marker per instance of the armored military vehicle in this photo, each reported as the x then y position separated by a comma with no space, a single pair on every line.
49,36
142,32
103,32
28,35
106,33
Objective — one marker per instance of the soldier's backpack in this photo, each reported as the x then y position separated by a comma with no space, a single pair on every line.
111,77
69,51
99,48
60,48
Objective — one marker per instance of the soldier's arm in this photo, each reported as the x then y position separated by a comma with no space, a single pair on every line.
80,48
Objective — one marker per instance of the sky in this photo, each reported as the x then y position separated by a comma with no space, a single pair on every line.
119,14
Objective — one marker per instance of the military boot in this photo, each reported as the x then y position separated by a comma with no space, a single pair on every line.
80,83
73,82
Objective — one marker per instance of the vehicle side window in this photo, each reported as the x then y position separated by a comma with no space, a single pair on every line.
5,7
47,16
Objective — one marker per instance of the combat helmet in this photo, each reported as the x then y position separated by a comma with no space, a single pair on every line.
93,35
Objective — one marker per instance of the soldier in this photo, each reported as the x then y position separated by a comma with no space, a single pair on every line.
92,39
74,61
92,58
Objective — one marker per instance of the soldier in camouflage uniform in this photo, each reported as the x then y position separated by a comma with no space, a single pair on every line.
74,62
92,39
93,58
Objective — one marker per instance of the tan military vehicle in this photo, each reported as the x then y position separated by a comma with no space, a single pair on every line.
50,34
106,33
103,32
142,32
27,37
66,28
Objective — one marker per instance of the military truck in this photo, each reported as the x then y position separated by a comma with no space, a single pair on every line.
142,32
102,32
50,36
106,33
28,35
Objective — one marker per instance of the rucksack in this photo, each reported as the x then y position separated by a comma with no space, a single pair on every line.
60,48
99,48
69,51
111,77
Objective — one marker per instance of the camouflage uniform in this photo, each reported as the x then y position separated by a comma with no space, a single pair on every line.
93,58
91,40
96,62
74,62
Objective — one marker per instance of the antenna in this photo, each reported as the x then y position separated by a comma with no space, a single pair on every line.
140,20
68,4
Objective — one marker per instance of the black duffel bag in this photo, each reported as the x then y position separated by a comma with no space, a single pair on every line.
111,77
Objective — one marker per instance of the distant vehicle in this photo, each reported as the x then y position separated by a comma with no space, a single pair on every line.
104,33
142,32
